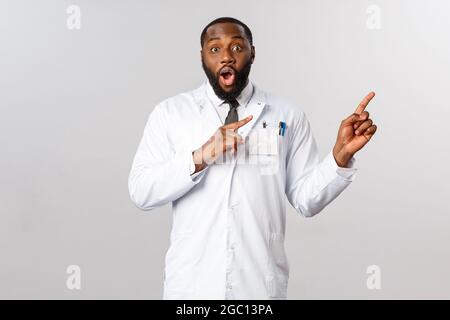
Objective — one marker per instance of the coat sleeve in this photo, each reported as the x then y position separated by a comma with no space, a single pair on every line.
160,174
312,184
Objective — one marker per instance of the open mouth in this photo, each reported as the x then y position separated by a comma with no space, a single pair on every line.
227,76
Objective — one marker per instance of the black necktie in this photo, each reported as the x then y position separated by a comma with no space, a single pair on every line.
232,114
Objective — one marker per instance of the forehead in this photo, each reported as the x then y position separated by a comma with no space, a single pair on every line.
225,29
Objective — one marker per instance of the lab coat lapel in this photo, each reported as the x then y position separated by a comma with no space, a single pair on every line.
210,120
255,108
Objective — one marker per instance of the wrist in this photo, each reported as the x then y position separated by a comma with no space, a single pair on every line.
198,160
341,157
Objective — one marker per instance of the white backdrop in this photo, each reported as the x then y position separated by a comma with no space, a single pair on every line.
74,103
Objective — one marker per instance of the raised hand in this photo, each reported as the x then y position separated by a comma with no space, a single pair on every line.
354,132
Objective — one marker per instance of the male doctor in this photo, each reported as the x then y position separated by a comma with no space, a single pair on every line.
225,155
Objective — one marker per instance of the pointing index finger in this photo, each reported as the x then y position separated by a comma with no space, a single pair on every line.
364,102
238,124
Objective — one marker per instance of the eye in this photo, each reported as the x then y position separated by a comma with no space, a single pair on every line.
214,49
236,48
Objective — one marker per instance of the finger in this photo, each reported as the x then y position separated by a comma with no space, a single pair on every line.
357,124
370,132
363,116
231,139
238,124
227,131
230,135
351,119
364,102
364,126
235,145
238,140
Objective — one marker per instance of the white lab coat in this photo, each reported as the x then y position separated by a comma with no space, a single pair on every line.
227,238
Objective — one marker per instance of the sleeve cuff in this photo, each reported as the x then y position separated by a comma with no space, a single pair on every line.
196,177
345,173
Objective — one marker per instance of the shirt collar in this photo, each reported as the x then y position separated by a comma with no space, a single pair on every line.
243,97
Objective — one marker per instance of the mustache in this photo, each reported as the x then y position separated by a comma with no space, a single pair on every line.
241,80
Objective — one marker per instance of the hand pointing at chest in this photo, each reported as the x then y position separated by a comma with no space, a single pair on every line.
354,133
225,138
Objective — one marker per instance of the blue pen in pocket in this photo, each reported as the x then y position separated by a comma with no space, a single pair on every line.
282,128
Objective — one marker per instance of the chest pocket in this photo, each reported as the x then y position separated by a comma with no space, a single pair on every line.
264,141
265,149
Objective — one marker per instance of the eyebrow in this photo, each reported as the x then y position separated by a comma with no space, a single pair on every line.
218,38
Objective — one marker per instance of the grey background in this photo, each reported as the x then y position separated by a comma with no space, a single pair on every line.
74,103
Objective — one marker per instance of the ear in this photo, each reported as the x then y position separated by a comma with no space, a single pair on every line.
201,55
253,53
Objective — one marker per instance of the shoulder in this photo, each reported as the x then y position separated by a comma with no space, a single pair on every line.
180,102
176,108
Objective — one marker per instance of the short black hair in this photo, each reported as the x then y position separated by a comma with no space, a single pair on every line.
247,31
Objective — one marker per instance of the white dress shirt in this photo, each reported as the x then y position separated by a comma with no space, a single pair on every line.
227,237
222,107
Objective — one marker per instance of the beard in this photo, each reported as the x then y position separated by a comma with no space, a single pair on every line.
239,85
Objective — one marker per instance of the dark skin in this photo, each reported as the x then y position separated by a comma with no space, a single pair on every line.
227,45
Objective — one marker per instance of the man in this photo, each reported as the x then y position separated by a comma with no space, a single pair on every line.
225,155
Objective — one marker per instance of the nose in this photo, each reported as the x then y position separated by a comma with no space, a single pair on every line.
227,57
